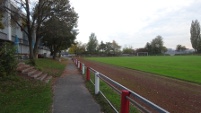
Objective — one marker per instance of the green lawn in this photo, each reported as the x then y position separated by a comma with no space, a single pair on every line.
22,95
50,66
186,68
110,94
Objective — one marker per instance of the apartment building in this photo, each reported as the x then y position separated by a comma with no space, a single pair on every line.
13,33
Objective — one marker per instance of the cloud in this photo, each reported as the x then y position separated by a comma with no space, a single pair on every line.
134,23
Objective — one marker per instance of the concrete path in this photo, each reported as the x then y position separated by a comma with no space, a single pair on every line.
71,95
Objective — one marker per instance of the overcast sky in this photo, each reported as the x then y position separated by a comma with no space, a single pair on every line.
136,22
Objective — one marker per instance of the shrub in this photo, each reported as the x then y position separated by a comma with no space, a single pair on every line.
8,62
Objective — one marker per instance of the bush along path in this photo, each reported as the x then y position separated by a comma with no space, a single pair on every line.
32,72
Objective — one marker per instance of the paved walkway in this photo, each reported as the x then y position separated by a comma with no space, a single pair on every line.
71,95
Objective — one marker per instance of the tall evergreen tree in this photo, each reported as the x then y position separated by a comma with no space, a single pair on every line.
92,44
195,35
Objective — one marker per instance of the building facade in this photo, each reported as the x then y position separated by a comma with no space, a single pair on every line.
14,34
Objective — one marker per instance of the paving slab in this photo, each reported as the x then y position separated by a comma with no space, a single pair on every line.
71,95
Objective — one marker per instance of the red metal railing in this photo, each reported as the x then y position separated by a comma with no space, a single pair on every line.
127,96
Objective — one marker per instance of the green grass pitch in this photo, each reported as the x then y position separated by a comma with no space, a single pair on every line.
187,68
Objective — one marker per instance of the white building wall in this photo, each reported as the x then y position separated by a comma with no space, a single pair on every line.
8,17
23,49
44,52
9,32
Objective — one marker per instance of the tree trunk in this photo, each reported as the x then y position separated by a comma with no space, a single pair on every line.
30,47
35,50
54,55
28,22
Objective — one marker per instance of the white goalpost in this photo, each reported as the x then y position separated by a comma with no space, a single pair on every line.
142,53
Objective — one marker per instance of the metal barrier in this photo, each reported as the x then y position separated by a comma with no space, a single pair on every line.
127,95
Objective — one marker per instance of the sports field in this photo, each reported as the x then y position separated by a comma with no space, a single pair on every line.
186,68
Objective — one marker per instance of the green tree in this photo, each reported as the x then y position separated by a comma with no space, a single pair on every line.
81,48
42,11
92,45
128,50
102,47
26,17
58,35
180,48
164,49
195,35
59,29
116,47
157,45
109,49
148,48
77,48
72,49
8,61
112,48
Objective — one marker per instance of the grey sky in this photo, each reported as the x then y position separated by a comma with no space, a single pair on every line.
136,22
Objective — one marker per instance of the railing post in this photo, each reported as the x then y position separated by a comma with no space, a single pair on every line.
124,101
83,69
97,83
78,64
88,74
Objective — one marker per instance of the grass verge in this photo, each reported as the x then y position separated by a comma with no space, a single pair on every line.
52,67
22,95
110,94
105,107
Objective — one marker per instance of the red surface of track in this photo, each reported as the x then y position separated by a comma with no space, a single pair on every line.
173,95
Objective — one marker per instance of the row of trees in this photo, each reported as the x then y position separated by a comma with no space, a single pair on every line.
94,48
51,20
156,46
180,48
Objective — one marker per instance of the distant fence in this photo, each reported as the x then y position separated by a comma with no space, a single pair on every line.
127,96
